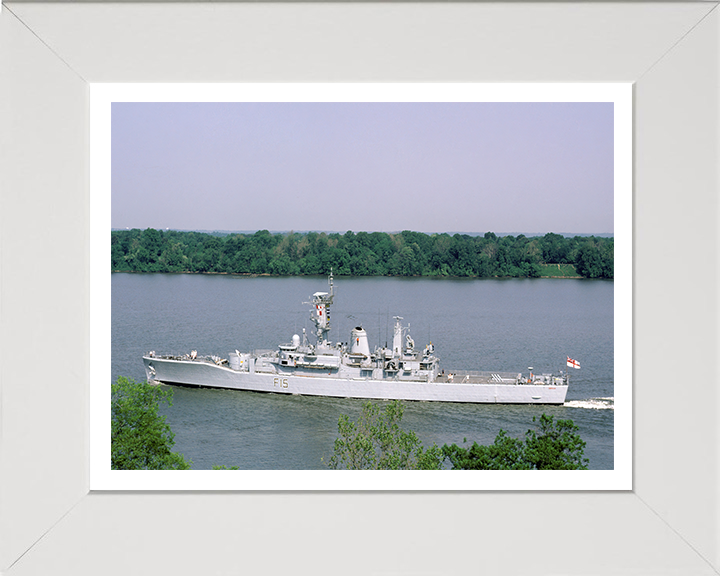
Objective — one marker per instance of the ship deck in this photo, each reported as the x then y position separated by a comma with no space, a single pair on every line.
479,377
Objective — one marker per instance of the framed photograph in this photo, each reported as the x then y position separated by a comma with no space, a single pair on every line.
59,511
371,160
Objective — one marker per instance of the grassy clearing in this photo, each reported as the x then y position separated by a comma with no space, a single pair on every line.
558,271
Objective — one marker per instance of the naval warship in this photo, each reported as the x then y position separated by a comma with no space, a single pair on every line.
351,370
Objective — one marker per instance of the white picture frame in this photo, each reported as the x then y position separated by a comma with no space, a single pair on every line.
666,524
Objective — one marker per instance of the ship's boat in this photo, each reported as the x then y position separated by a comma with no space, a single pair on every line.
323,368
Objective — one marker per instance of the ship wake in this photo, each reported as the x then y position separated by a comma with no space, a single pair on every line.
593,403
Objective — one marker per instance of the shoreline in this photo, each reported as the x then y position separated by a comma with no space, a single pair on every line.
267,274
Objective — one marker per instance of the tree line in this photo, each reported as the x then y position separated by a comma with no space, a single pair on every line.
361,254
141,439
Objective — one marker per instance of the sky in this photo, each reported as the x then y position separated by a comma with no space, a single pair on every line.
469,167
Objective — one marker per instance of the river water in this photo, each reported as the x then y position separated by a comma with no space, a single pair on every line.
488,324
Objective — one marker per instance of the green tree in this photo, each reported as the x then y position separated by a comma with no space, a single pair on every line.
152,242
141,438
310,265
608,258
118,257
589,262
554,248
376,442
554,446
506,453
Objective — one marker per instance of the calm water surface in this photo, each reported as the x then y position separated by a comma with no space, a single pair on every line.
504,325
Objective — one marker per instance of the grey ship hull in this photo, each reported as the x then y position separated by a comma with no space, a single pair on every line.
202,373
402,372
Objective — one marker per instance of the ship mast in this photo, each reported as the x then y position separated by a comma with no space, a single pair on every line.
397,337
320,314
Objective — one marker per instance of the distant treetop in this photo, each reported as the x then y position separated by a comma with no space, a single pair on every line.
406,253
